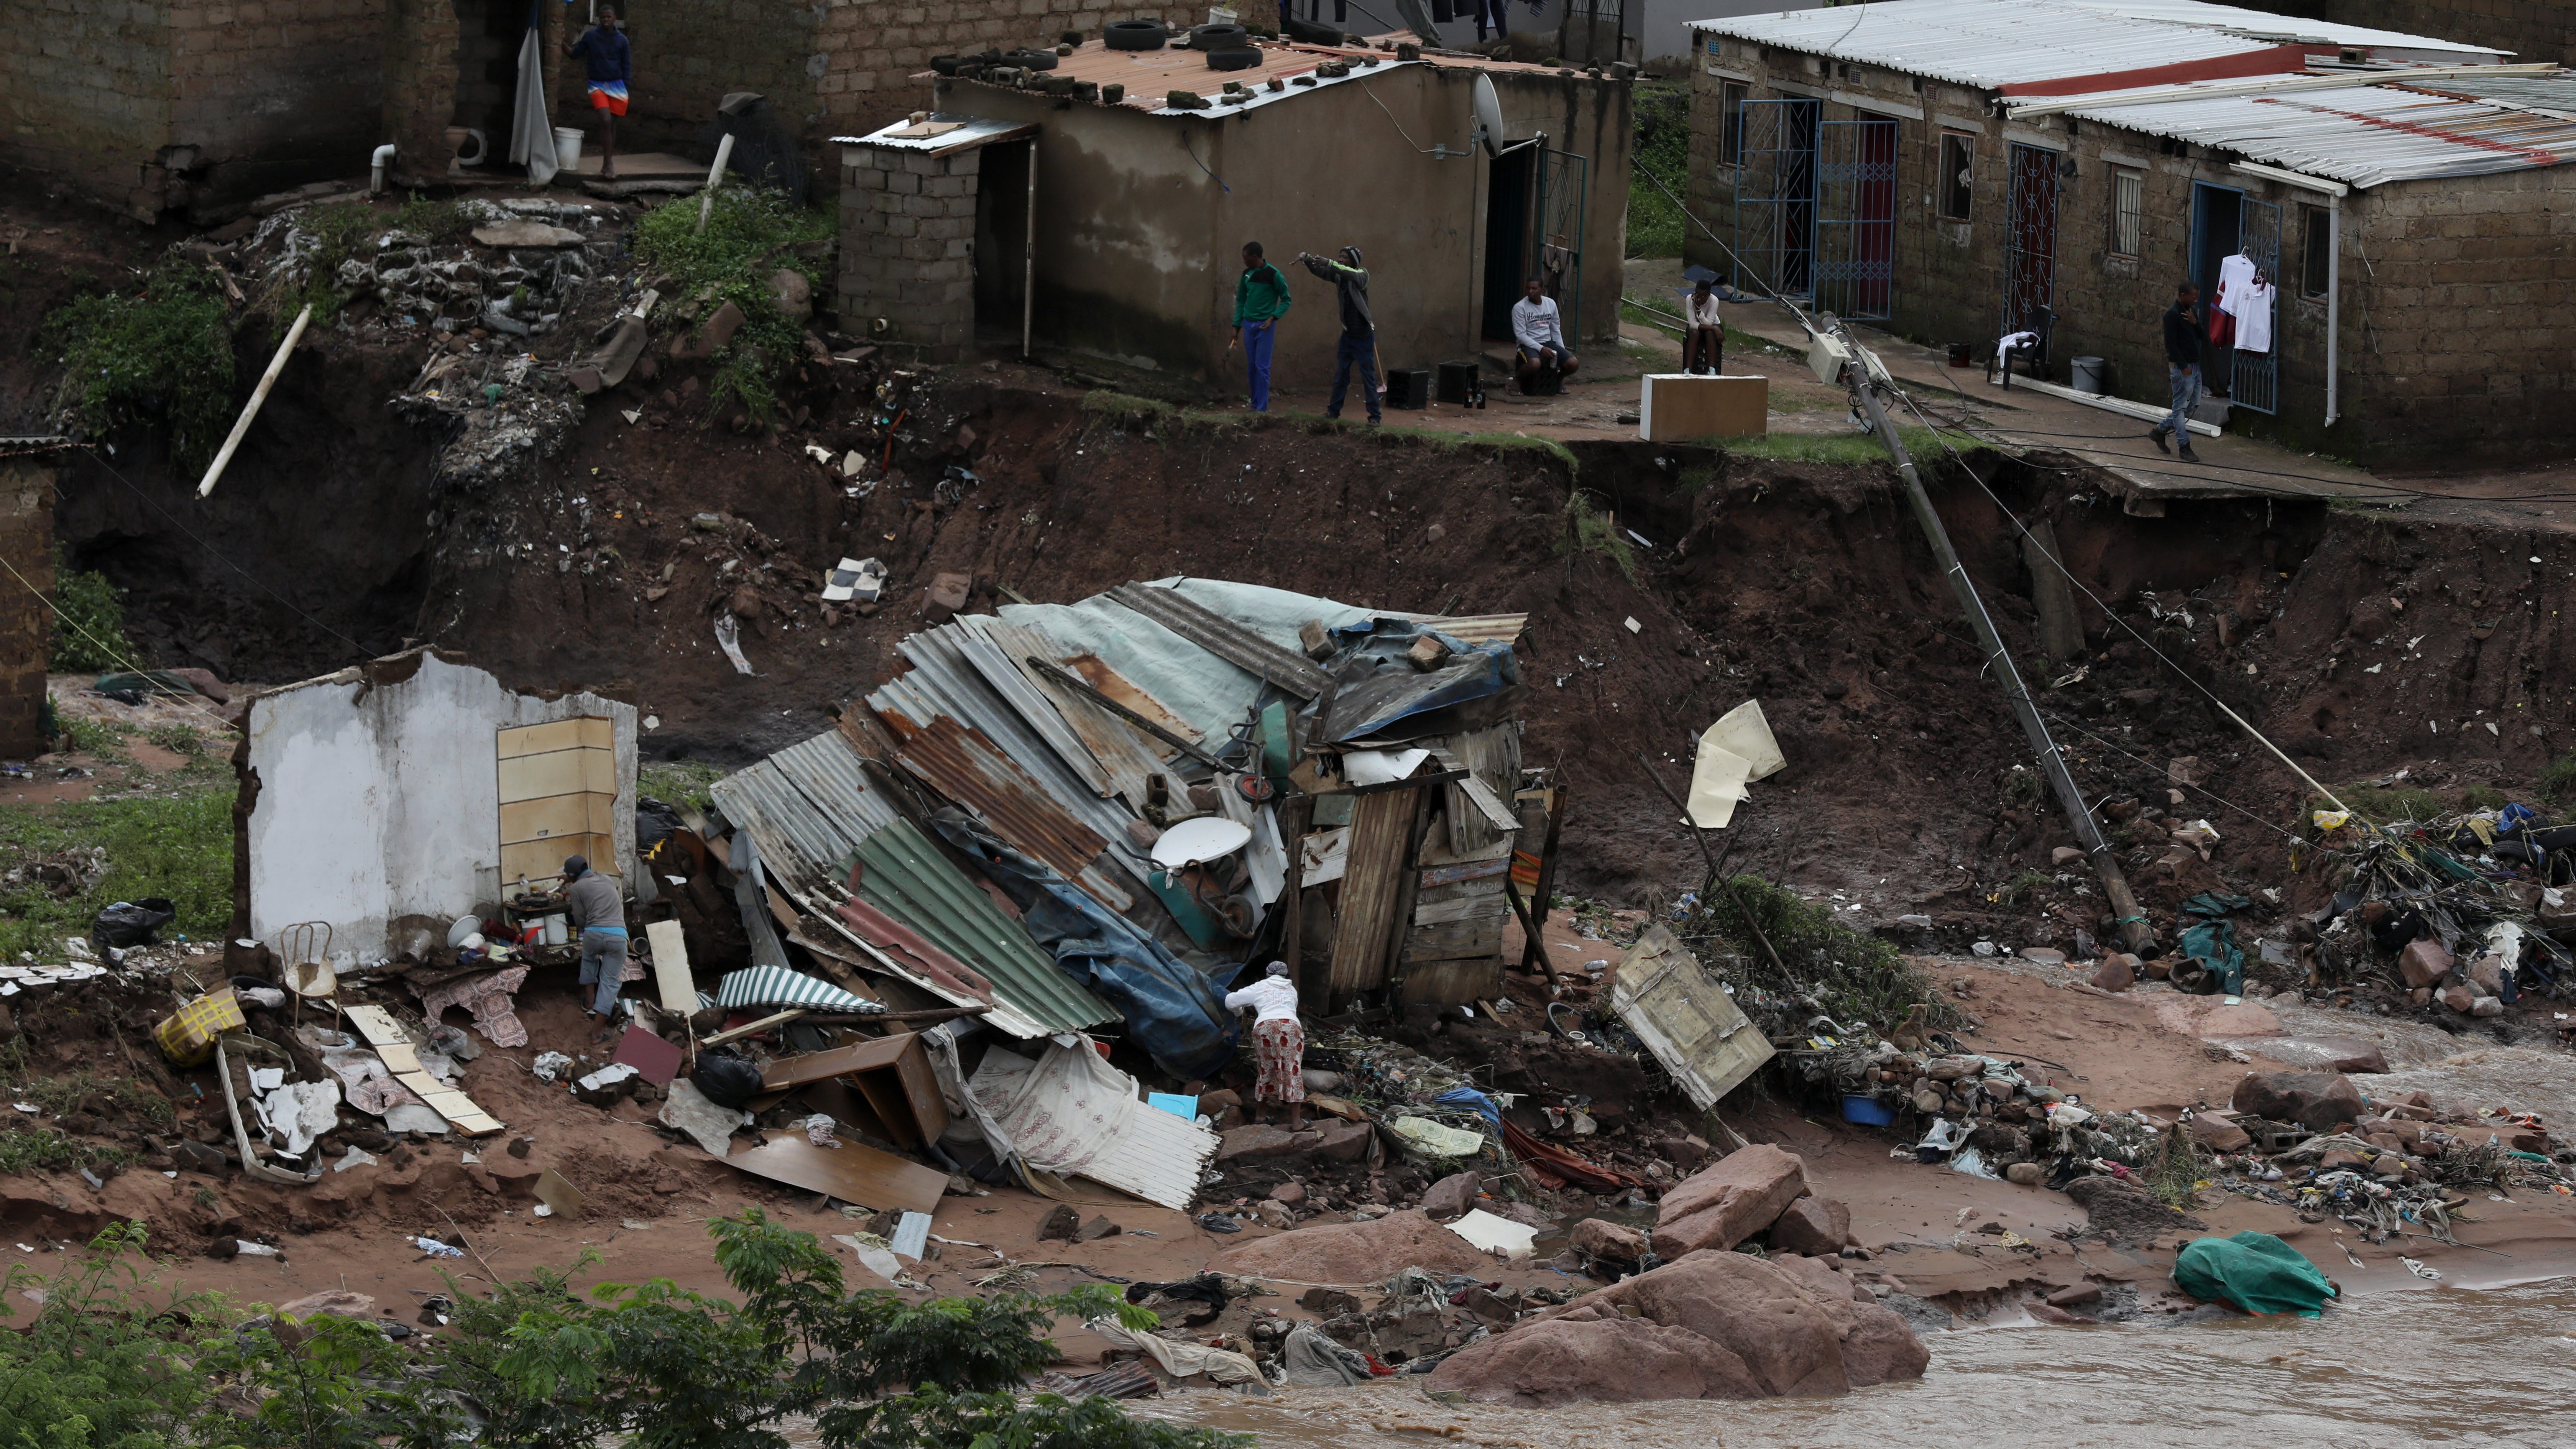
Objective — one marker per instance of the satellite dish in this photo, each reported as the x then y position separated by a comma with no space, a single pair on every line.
1193,842
1489,115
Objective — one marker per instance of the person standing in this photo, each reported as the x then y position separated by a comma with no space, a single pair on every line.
1260,300
599,913
1538,333
1359,331
1278,1043
1705,336
610,61
2182,371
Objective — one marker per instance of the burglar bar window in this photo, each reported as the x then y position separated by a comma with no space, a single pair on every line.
1731,106
2128,211
2316,259
1958,174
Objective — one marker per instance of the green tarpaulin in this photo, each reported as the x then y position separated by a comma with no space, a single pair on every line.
2256,1272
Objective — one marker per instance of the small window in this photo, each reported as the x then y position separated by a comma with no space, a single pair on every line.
2128,211
1958,174
1731,106
2316,258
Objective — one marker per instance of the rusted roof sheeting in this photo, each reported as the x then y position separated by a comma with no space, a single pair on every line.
1125,753
1224,638
966,767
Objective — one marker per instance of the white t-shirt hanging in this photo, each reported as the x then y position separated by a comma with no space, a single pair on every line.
2233,273
2251,305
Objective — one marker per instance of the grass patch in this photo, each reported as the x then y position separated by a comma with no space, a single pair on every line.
178,846
438,223
2557,783
177,738
61,1092
1829,967
160,356
2019,886
1127,410
89,621
1589,530
680,782
1661,145
2483,797
2383,804
43,1149
96,737
1845,448
751,233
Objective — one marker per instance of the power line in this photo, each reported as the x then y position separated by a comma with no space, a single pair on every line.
103,647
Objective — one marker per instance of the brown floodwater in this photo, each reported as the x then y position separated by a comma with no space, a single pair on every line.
2438,1366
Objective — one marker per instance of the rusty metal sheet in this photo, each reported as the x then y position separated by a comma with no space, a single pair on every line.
1373,890
1285,668
963,765
1128,755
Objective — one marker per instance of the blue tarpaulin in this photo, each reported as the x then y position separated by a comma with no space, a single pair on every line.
1377,691
1172,1011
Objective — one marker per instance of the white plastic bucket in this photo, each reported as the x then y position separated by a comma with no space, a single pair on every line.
567,148
2086,372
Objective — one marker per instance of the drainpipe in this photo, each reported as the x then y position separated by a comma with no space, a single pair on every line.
376,168
2334,296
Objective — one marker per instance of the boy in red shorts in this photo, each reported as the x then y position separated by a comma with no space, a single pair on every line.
612,64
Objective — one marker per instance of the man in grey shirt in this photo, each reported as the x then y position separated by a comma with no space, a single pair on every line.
599,914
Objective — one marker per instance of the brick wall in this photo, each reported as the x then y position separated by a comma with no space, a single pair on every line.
2534,30
26,624
85,95
2462,343
907,243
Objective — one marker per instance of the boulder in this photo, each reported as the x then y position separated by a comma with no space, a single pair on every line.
2218,1135
2459,996
1714,1325
2318,1101
1811,1225
2486,973
1261,1141
793,294
1343,1141
1451,1196
1363,1252
1614,1242
2076,1296
2118,971
2424,963
1728,1201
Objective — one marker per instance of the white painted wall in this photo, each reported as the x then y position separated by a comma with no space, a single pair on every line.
377,803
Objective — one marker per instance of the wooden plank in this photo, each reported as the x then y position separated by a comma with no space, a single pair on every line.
892,1072
1455,940
1464,890
1479,812
1461,908
671,979
1685,1018
1452,983
1446,875
851,1172
1373,878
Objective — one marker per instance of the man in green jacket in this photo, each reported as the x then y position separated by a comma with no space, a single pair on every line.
1260,300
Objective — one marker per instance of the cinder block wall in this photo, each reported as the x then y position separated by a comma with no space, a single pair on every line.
26,624
907,243
85,96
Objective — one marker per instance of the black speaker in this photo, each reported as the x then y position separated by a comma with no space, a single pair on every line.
1408,388
1457,380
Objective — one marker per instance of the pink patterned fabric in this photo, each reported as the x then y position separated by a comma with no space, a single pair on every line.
1279,1049
487,995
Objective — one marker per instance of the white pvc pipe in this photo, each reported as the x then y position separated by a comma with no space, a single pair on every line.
715,178
376,168
258,395
2334,296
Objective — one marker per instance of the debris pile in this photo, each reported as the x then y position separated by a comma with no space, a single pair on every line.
2471,911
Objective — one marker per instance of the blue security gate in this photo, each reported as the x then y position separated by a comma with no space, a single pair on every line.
1775,197
1855,211
2256,379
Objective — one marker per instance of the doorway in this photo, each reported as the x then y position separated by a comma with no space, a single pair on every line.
1511,195
2217,230
489,36
2030,244
1001,258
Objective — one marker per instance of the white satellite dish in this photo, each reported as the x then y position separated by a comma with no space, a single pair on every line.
1194,842
1489,115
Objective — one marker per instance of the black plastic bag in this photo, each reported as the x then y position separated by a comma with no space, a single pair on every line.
131,923
654,822
726,1081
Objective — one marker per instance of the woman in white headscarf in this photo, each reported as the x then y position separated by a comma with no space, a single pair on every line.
1278,1042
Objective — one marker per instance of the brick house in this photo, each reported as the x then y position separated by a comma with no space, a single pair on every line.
1948,168
1141,208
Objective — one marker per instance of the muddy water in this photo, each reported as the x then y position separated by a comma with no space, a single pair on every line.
2438,1366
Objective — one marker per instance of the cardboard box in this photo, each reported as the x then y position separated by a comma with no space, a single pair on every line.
1676,407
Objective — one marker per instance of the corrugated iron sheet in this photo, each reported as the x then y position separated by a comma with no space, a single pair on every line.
1983,43
2555,94
2365,135
1008,677
966,767
1126,754
2270,28
1228,640
904,875
805,806
1474,628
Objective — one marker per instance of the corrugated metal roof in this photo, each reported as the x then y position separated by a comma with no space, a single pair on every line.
1009,678
809,809
2553,93
1127,754
949,133
1244,649
2270,28
1150,76
966,767
1983,43
2365,135
904,875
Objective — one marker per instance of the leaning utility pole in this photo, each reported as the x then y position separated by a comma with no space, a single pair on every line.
1867,378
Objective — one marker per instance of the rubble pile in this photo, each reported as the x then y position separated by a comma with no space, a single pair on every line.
2469,911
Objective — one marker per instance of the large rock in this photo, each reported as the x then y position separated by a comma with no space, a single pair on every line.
1723,1204
2326,1054
2218,1134
1368,1252
1815,1225
1603,1239
1713,1326
2423,963
1451,1196
2318,1101
1263,1141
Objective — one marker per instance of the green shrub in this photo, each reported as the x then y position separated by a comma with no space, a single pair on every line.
159,356
89,622
2558,782
1589,530
1849,976
94,1370
751,233
179,846
1656,227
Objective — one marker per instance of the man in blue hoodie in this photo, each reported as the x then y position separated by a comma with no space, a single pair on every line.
611,63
